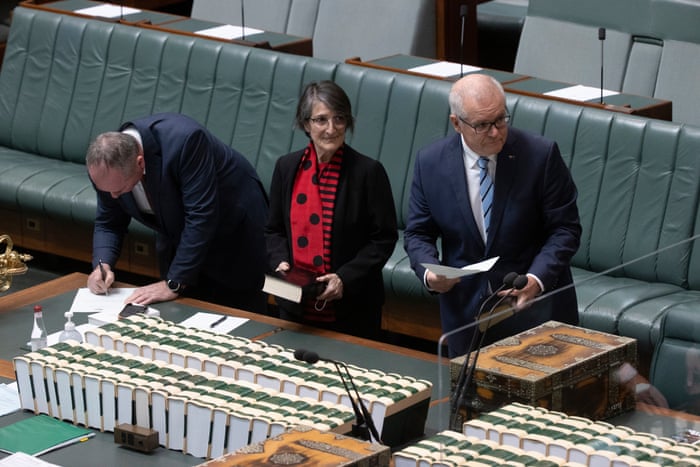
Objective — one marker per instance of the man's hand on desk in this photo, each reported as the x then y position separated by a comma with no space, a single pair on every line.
152,293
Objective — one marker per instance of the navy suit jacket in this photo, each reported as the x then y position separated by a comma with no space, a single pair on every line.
534,227
209,207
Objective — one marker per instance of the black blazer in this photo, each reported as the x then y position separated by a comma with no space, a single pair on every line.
364,227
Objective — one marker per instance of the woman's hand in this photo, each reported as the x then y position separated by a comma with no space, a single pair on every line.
334,287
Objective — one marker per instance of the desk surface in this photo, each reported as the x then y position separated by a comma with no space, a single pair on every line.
530,86
178,24
57,295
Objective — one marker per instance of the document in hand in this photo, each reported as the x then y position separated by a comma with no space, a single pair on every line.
40,434
468,270
294,284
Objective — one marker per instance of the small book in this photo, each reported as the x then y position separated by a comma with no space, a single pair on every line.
294,284
40,434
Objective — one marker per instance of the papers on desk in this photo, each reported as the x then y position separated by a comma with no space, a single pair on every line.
228,31
88,302
222,324
580,93
20,459
9,399
468,270
107,10
444,69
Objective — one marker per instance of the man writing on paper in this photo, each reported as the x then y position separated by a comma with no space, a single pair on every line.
528,216
203,199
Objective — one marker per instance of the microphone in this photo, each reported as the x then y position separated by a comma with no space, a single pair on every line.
364,425
243,19
517,282
508,280
601,38
463,16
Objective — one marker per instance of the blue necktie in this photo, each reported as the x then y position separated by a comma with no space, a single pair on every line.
486,191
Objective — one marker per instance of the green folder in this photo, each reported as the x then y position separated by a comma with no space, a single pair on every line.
40,434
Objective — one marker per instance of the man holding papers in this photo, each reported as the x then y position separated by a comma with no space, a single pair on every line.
493,191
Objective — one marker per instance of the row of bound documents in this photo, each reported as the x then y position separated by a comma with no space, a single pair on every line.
205,393
518,434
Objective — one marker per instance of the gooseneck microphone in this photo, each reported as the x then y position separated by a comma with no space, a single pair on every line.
243,19
462,16
512,281
364,427
601,38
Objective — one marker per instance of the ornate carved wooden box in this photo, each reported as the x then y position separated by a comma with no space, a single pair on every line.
308,447
556,366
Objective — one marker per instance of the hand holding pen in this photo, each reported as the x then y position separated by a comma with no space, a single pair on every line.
101,279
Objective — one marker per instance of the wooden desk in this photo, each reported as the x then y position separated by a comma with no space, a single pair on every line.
528,86
71,6
624,103
406,63
56,296
177,24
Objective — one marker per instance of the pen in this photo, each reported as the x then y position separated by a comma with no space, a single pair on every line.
217,322
104,275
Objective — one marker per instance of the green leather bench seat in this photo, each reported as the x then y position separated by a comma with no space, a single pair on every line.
66,79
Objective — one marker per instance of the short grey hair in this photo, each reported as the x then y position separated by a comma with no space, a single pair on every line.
332,95
114,150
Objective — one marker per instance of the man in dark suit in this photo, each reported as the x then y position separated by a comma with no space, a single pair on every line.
203,199
531,221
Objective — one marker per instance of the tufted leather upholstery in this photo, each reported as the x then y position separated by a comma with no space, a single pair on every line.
66,79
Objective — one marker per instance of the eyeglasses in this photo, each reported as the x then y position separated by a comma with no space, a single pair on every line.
485,127
322,121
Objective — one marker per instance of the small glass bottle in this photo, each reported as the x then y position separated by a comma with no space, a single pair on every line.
39,335
69,332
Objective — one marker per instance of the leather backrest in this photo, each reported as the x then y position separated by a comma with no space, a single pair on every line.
560,41
677,22
294,17
638,182
66,79
374,28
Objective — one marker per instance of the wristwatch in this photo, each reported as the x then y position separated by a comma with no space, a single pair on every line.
174,286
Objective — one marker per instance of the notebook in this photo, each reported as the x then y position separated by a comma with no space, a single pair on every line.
40,434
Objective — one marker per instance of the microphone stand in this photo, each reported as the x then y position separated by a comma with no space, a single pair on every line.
242,19
456,398
364,426
601,37
519,282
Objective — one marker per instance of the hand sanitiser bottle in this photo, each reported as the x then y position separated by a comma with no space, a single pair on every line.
69,332
38,337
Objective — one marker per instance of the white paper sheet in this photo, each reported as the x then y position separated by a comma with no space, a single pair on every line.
9,399
222,324
580,93
444,69
88,302
107,10
468,270
228,31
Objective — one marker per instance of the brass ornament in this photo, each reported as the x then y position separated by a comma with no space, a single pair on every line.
11,263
